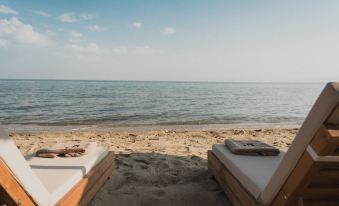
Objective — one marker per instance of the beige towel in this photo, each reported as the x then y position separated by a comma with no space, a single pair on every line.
66,150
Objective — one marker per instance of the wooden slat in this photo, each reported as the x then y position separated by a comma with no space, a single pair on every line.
325,142
318,192
75,195
334,133
297,181
320,143
108,162
96,187
314,180
320,203
11,191
236,193
5,198
300,176
216,170
326,177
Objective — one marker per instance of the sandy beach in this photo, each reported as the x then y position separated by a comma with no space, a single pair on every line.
160,167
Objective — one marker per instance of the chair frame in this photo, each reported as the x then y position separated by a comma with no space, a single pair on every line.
313,181
12,193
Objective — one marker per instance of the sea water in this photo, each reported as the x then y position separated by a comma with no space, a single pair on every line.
117,103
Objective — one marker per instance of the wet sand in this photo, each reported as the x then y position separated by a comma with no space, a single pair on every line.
158,167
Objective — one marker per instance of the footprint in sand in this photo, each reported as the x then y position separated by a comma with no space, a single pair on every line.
141,160
159,193
144,167
146,201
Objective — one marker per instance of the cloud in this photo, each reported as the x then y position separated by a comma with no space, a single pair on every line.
6,10
168,31
13,30
68,17
76,34
137,24
94,28
86,16
42,13
141,50
3,43
120,50
146,51
50,32
90,48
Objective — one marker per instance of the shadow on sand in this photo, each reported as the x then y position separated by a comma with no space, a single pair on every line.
159,179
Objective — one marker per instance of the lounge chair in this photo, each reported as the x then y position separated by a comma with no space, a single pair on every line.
61,181
307,174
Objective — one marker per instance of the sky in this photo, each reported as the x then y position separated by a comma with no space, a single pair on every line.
170,40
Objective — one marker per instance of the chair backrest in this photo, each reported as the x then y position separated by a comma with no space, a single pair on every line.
298,167
23,173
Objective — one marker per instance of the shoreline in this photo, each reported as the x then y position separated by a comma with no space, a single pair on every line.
33,128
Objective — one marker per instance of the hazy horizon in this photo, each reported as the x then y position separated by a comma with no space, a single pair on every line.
194,40
188,81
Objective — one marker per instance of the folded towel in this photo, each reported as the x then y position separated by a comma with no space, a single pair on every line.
64,150
251,147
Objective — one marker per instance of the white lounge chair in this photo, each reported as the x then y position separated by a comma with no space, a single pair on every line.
307,174
60,181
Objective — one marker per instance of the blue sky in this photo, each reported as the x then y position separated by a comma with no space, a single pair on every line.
191,40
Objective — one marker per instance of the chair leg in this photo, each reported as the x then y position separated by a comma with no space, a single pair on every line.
300,201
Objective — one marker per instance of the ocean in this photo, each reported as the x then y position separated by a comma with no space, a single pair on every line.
130,103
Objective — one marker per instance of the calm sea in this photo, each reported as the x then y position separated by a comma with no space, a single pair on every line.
46,102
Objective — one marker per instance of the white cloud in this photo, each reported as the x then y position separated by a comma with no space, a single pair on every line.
168,31
6,10
50,32
68,17
76,40
13,30
137,24
120,50
146,51
76,34
42,13
3,43
94,28
86,16
90,48
141,50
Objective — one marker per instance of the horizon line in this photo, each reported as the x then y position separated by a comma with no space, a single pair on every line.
183,81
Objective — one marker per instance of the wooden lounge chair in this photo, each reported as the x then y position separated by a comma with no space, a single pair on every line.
307,174
41,181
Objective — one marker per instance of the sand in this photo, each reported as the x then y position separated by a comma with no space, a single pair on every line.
164,167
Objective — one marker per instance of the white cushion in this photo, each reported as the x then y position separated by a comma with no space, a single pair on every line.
320,112
13,158
59,175
253,172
